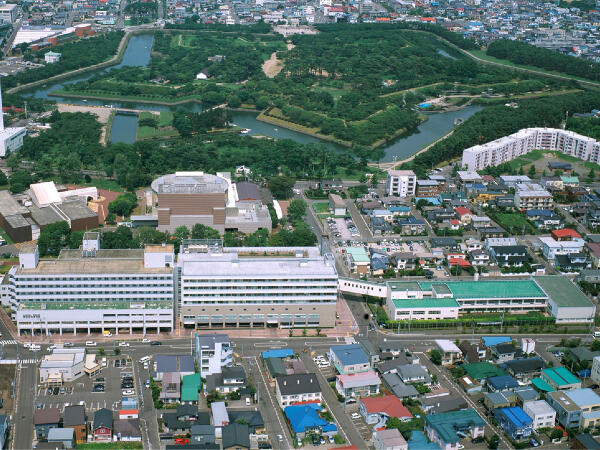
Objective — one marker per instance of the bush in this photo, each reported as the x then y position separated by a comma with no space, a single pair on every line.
123,204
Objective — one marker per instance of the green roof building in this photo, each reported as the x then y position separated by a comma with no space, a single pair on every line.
190,387
559,378
481,370
566,302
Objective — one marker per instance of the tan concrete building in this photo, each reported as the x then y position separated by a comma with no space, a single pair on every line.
188,198
255,286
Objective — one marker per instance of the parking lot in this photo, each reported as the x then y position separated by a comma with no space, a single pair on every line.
85,389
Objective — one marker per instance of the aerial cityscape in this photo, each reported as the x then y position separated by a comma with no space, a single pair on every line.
366,224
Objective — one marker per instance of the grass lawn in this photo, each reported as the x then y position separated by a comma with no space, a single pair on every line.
109,185
321,207
111,445
514,223
166,119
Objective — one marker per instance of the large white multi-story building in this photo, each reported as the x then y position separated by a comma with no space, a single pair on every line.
401,183
93,290
523,141
255,286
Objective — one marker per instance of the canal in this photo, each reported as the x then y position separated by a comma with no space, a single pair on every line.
138,53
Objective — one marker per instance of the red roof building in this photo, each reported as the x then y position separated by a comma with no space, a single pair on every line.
459,262
377,408
462,211
565,234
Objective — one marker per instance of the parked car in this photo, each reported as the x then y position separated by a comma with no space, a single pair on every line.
68,344
147,383
145,340
155,343
355,415
182,441
49,391
98,388
123,344
63,390
128,392
55,391
331,440
90,344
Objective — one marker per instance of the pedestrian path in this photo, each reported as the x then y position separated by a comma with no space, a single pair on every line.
9,342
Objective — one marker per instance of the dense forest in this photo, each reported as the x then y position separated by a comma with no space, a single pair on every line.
497,121
75,55
522,53
588,126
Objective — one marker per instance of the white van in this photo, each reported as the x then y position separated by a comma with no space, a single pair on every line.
144,359
104,363
90,343
34,347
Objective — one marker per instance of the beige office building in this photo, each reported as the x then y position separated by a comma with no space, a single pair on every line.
285,287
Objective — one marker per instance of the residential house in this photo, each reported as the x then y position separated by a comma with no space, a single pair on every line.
304,418
524,370
471,352
202,434
379,409
295,389
44,420
501,383
230,379
511,181
379,226
593,249
464,215
469,385
359,384
441,215
389,440
220,417
504,352
514,422
102,425
446,243
190,386
509,255
171,387
180,364
479,257
183,418
544,219
127,430
74,417
236,436
572,262
541,413
585,441
589,403
589,275
398,387
428,188
491,232
565,234
443,404
413,373
448,429
411,225
404,260
62,436
591,219
495,400
253,419
551,247
349,358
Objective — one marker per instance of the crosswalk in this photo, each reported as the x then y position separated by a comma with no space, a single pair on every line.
28,361
8,342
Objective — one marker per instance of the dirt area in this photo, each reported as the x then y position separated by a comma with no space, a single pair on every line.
100,206
7,373
272,66
101,112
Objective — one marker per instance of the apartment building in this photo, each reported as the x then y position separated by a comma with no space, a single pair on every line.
93,289
401,183
532,196
541,413
213,352
297,389
255,286
510,147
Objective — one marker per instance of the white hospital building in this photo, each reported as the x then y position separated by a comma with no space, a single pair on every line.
224,287
523,141
93,289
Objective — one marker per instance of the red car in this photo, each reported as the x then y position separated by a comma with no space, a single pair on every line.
182,441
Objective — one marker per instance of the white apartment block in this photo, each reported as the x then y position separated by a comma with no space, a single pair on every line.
532,196
401,183
255,286
213,352
297,388
596,370
523,141
541,413
93,290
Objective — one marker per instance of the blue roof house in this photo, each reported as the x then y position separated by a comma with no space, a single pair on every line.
304,418
278,353
501,383
350,358
514,422
489,341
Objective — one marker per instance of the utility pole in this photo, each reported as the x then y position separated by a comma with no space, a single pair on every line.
25,109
